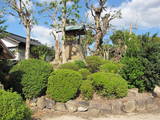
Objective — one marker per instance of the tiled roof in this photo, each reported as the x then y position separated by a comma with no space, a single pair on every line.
21,39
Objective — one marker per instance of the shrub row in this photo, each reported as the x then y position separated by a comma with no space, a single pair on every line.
31,78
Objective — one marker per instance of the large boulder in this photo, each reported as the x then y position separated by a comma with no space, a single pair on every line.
157,91
133,92
41,103
117,107
129,106
60,107
71,106
83,106
50,103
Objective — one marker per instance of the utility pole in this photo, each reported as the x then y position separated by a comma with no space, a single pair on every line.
131,28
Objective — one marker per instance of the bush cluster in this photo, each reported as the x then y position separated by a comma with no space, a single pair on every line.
63,84
30,77
94,62
132,71
87,89
12,107
111,67
84,72
109,84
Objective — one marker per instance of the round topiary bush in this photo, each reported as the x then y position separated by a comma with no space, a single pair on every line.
12,107
63,84
110,66
94,62
70,65
109,84
87,89
30,77
84,72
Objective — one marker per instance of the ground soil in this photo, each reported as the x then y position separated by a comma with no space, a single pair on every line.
133,116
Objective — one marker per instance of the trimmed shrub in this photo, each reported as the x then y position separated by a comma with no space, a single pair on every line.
80,64
87,89
109,84
84,72
111,67
12,107
132,71
63,84
30,77
70,65
94,62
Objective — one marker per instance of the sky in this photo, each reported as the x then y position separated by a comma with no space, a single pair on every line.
144,15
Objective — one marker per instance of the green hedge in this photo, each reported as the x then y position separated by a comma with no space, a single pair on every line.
12,107
87,89
132,71
30,77
109,84
94,62
63,84
111,67
84,72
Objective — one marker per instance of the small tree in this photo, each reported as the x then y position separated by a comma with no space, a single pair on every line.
22,9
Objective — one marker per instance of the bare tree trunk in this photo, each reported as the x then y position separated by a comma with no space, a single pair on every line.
28,41
64,59
57,59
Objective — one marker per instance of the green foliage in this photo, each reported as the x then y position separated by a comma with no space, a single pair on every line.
42,52
70,65
2,27
150,58
132,71
12,107
87,89
94,62
80,64
109,84
63,84
6,65
84,72
124,39
111,67
29,77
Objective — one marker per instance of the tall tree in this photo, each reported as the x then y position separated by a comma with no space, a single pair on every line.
22,9
102,16
61,13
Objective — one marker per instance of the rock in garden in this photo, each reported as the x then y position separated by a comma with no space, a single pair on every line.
83,106
50,103
33,102
117,107
140,104
41,103
133,92
71,106
157,91
129,106
60,107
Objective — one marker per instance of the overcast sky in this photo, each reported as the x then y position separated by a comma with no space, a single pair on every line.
143,14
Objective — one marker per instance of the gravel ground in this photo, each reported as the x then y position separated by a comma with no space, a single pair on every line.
150,116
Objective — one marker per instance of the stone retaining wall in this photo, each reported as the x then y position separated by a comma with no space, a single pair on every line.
134,102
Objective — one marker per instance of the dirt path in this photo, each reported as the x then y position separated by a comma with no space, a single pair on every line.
155,116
